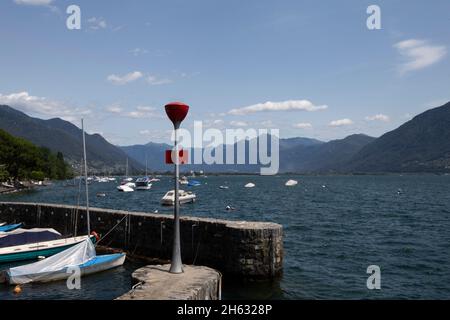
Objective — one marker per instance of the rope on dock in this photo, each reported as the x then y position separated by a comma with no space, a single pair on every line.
124,217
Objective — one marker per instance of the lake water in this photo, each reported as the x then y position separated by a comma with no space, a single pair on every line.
334,228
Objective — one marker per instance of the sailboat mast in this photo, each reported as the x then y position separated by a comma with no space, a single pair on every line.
86,180
146,164
126,169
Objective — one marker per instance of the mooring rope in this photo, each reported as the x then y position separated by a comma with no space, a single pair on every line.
124,217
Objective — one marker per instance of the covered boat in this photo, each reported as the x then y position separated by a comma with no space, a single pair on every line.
2,223
23,236
62,265
6,228
250,185
184,197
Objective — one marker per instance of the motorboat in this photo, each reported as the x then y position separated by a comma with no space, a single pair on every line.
184,180
59,267
183,196
224,187
155,180
250,185
291,183
143,183
125,188
194,183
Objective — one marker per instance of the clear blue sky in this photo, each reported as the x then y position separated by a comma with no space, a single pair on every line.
132,57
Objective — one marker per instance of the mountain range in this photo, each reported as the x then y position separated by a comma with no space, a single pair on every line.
62,136
420,145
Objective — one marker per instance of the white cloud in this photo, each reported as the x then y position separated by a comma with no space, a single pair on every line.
238,123
419,54
341,122
138,51
42,107
267,124
143,112
378,117
114,109
97,23
34,2
218,121
301,105
121,80
302,125
154,81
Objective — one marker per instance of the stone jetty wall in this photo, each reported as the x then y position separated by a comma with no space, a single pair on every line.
239,248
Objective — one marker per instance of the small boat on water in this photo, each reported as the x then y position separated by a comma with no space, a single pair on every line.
125,188
184,197
2,223
9,227
193,183
19,245
291,183
58,267
143,183
184,180
155,180
224,187
250,185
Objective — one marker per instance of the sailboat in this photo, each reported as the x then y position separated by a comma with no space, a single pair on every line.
58,266
144,183
9,227
31,245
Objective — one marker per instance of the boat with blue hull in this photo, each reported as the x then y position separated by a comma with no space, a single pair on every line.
10,227
60,266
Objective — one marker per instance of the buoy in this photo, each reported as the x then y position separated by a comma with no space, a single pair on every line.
17,290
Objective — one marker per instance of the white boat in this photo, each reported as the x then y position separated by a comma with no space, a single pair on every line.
250,185
184,180
291,183
125,188
183,196
223,187
31,251
143,183
2,223
155,180
62,265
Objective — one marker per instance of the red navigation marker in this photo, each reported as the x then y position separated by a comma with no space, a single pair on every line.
177,111
183,156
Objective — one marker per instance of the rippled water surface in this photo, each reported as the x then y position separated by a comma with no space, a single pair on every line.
334,228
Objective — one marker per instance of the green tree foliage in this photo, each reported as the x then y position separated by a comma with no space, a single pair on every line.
20,159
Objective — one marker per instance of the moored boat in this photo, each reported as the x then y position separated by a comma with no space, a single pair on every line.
59,266
143,183
184,197
291,183
9,227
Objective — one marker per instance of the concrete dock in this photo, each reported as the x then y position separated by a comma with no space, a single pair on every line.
241,249
156,283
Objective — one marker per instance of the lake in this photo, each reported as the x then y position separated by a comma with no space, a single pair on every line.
334,228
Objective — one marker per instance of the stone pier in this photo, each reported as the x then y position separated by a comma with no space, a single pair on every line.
156,283
238,248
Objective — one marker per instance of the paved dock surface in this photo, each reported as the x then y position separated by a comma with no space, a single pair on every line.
156,283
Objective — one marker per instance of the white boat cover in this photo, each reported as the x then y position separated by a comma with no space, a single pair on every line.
74,256
2,223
